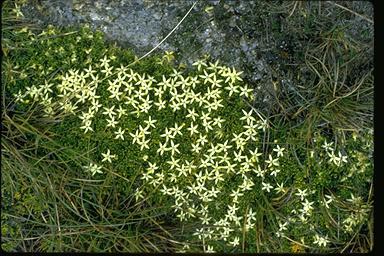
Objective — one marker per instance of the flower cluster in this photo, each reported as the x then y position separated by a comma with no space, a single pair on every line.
197,141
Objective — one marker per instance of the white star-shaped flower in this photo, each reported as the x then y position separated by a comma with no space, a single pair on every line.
199,64
177,129
136,136
167,134
272,162
193,129
235,242
109,111
150,122
248,116
107,156
121,112
174,163
174,147
302,193
279,150
195,148
162,148
192,114
112,122
266,186
280,188
321,241
119,134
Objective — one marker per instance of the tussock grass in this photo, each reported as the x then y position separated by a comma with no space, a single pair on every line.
47,204
325,100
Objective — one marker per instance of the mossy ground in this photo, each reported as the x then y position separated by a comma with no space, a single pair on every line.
37,57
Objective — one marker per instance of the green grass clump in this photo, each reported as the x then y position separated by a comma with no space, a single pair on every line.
193,144
47,202
135,156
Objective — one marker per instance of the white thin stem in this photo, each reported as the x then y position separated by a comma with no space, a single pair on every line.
170,33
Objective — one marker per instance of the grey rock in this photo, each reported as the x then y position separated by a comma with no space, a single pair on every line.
231,33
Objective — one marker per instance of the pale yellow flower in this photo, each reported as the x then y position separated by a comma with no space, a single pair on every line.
107,156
